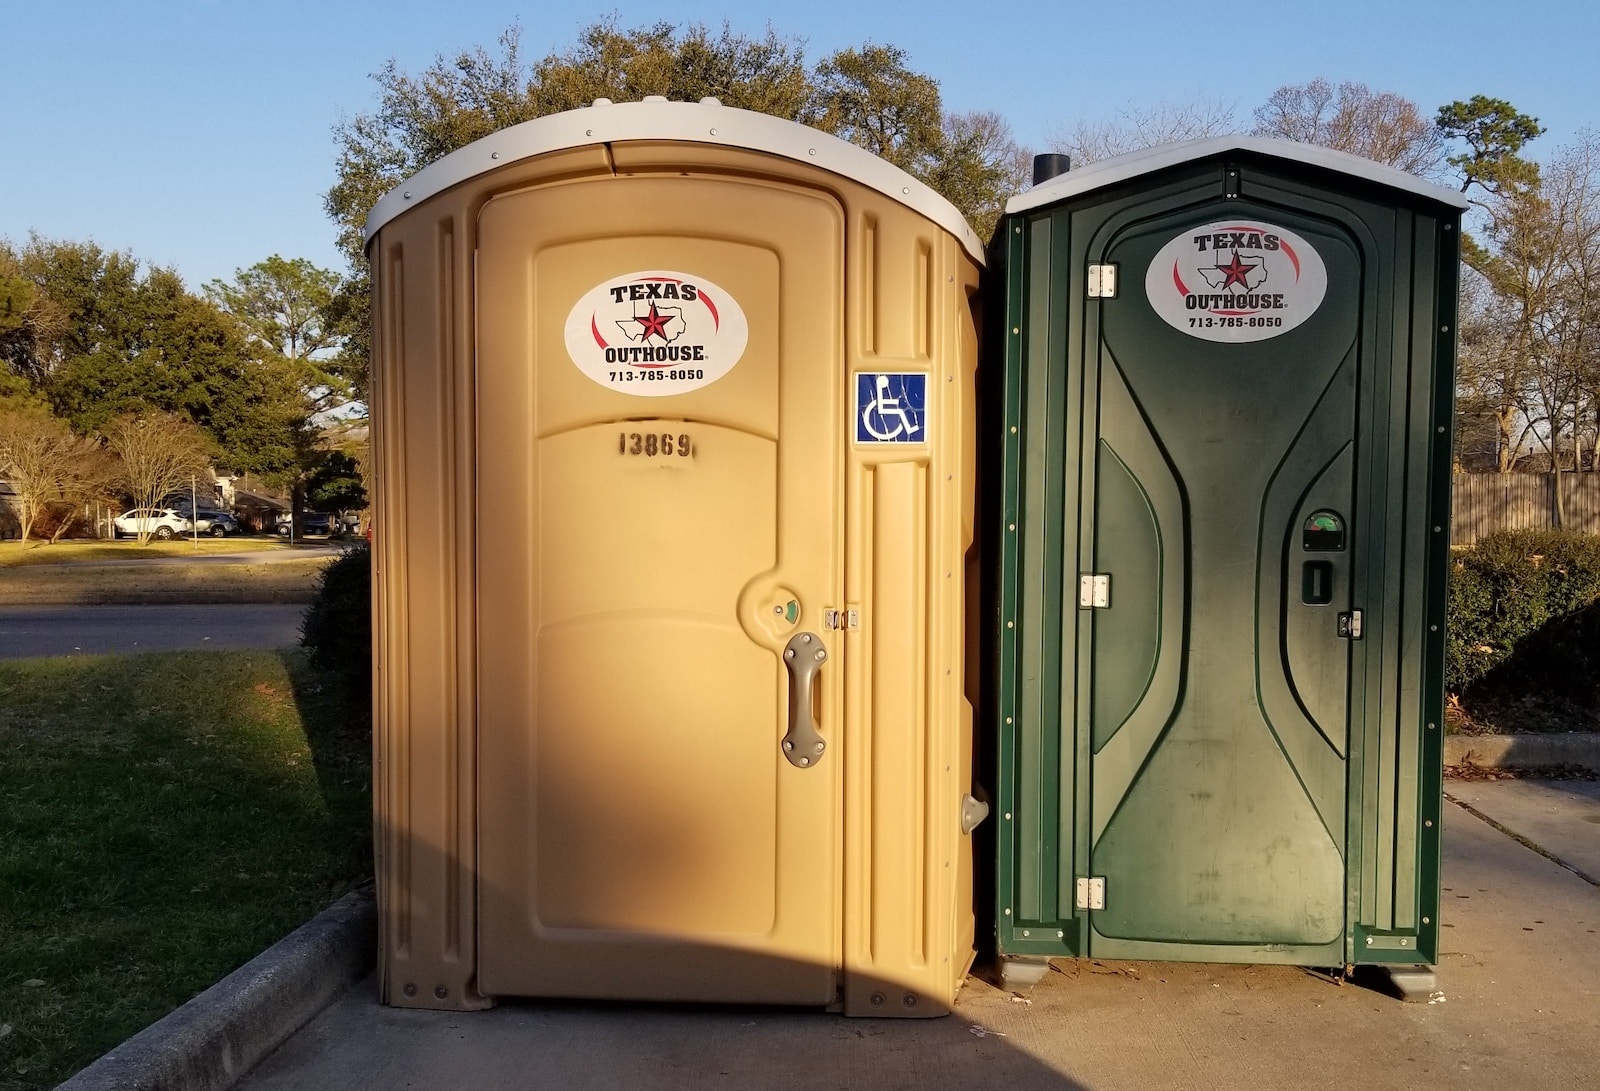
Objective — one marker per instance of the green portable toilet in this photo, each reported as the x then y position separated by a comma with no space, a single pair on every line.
1221,544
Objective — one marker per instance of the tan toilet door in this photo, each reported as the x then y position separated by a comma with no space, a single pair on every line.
644,561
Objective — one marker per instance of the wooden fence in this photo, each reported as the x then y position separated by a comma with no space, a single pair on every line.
1484,503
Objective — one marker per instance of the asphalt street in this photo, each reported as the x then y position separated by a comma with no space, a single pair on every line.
31,631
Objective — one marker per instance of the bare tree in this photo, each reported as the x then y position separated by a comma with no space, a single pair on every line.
1352,117
90,479
1571,190
978,166
48,466
1134,127
1540,257
1493,378
160,453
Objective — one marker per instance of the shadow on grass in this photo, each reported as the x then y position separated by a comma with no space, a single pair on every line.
163,818
338,729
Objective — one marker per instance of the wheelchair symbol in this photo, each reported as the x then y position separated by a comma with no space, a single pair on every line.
891,411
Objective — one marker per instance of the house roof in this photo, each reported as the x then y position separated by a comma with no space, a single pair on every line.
246,498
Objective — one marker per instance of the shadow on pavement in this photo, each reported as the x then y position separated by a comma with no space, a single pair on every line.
520,1042
608,1044
1519,980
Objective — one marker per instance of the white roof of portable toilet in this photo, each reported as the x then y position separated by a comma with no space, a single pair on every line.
1109,172
704,122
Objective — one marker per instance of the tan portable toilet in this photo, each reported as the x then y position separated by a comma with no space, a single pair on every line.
672,406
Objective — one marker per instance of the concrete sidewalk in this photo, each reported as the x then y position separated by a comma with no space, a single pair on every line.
1559,817
1520,1007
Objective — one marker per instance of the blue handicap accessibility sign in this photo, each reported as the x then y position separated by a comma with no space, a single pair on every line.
891,407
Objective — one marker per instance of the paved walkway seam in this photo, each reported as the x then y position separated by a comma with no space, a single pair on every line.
1523,841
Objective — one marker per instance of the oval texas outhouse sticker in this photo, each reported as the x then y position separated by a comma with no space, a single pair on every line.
656,333
1236,280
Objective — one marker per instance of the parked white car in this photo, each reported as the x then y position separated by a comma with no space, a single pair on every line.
159,523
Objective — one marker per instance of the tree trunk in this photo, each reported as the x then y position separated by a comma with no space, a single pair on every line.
1502,419
61,529
297,505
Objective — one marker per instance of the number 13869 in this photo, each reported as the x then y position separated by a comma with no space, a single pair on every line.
655,444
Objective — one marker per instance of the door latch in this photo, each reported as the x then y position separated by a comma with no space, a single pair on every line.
844,620
1350,625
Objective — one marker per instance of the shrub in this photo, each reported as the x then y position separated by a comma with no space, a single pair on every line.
337,630
1522,606
1524,617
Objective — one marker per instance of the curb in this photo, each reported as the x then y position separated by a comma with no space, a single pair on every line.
215,1038
1529,751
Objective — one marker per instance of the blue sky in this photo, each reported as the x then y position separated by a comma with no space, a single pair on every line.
198,133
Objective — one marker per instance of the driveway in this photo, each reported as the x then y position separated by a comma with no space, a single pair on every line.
30,631
1518,1006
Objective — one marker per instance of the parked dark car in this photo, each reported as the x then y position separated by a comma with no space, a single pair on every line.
311,522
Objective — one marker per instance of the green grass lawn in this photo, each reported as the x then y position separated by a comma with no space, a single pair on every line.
217,582
163,819
14,554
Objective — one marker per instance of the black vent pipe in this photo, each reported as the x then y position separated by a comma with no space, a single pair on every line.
1050,165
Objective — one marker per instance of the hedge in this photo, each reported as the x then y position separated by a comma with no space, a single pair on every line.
337,630
1523,616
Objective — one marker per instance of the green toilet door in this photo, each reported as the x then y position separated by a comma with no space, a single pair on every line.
1219,488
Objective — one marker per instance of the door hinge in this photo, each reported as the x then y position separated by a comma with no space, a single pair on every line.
1094,590
847,620
1103,281
1350,625
1091,892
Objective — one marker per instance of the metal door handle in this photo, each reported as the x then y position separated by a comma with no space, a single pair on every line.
804,656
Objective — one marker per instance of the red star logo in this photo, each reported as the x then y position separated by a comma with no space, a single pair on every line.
1234,272
654,323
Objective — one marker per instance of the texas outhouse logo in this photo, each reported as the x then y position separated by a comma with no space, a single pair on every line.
656,332
1236,280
